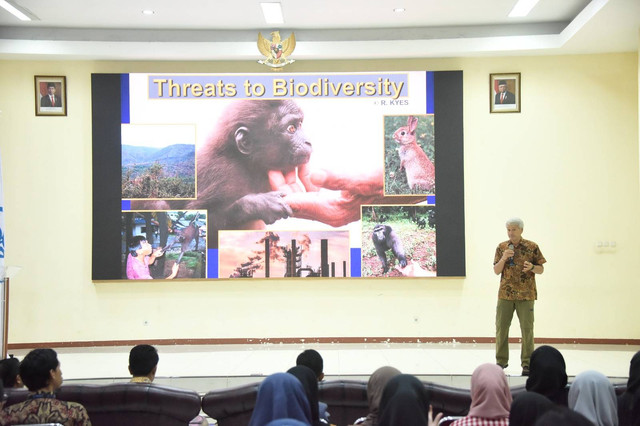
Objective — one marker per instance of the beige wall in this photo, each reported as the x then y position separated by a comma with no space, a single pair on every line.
568,165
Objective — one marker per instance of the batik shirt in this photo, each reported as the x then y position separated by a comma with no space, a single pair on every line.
515,284
45,408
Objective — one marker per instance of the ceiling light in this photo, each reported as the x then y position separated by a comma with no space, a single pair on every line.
399,9
522,8
12,9
148,12
272,13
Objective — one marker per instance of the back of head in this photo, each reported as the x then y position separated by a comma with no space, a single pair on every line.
35,368
633,384
142,360
280,396
629,401
405,401
310,384
490,393
562,416
527,408
547,372
592,395
312,359
9,370
375,387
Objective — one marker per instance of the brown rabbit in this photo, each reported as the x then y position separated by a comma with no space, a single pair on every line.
421,174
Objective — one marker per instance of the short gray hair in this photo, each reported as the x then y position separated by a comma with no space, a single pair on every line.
516,221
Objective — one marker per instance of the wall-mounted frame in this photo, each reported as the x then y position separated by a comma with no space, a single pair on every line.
51,95
504,92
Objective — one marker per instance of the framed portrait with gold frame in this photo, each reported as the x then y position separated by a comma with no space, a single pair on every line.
504,92
51,95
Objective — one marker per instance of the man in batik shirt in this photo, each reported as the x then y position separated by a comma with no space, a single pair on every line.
40,372
517,261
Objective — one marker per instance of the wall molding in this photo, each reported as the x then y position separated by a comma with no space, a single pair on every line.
315,340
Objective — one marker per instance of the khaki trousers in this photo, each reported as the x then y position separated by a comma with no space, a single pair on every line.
504,315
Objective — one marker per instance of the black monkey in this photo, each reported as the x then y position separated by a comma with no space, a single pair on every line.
384,239
431,213
421,222
252,137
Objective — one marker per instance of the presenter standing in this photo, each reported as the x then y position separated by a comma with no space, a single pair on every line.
517,261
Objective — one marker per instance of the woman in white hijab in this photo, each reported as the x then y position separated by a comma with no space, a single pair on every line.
592,395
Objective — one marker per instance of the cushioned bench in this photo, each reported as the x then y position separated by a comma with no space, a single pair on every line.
130,404
347,401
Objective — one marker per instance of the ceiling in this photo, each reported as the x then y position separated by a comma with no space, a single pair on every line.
324,29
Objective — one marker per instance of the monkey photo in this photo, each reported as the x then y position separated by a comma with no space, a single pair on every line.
408,233
251,138
385,239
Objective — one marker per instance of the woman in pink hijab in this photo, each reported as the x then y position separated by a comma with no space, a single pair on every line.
490,398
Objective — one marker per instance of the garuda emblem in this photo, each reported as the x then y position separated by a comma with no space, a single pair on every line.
276,51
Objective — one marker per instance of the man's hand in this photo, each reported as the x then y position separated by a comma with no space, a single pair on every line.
507,254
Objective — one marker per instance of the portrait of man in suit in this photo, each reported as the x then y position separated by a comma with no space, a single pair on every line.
504,96
51,99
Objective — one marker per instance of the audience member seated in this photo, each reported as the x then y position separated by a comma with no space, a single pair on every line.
490,398
527,407
629,401
405,401
281,396
312,359
592,395
10,372
375,386
562,416
548,374
40,372
143,363
310,384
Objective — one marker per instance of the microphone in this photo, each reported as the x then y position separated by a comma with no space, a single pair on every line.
511,247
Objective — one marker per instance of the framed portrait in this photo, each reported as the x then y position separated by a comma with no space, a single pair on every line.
504,92
51,95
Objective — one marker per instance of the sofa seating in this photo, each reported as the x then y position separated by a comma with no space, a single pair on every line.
231,406
347,401
130,404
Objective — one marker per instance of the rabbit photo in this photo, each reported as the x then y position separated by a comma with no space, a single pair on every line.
419,169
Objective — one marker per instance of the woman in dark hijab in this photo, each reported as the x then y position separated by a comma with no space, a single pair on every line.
548,374
405,401
280,396
309,382
527,407
629,401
